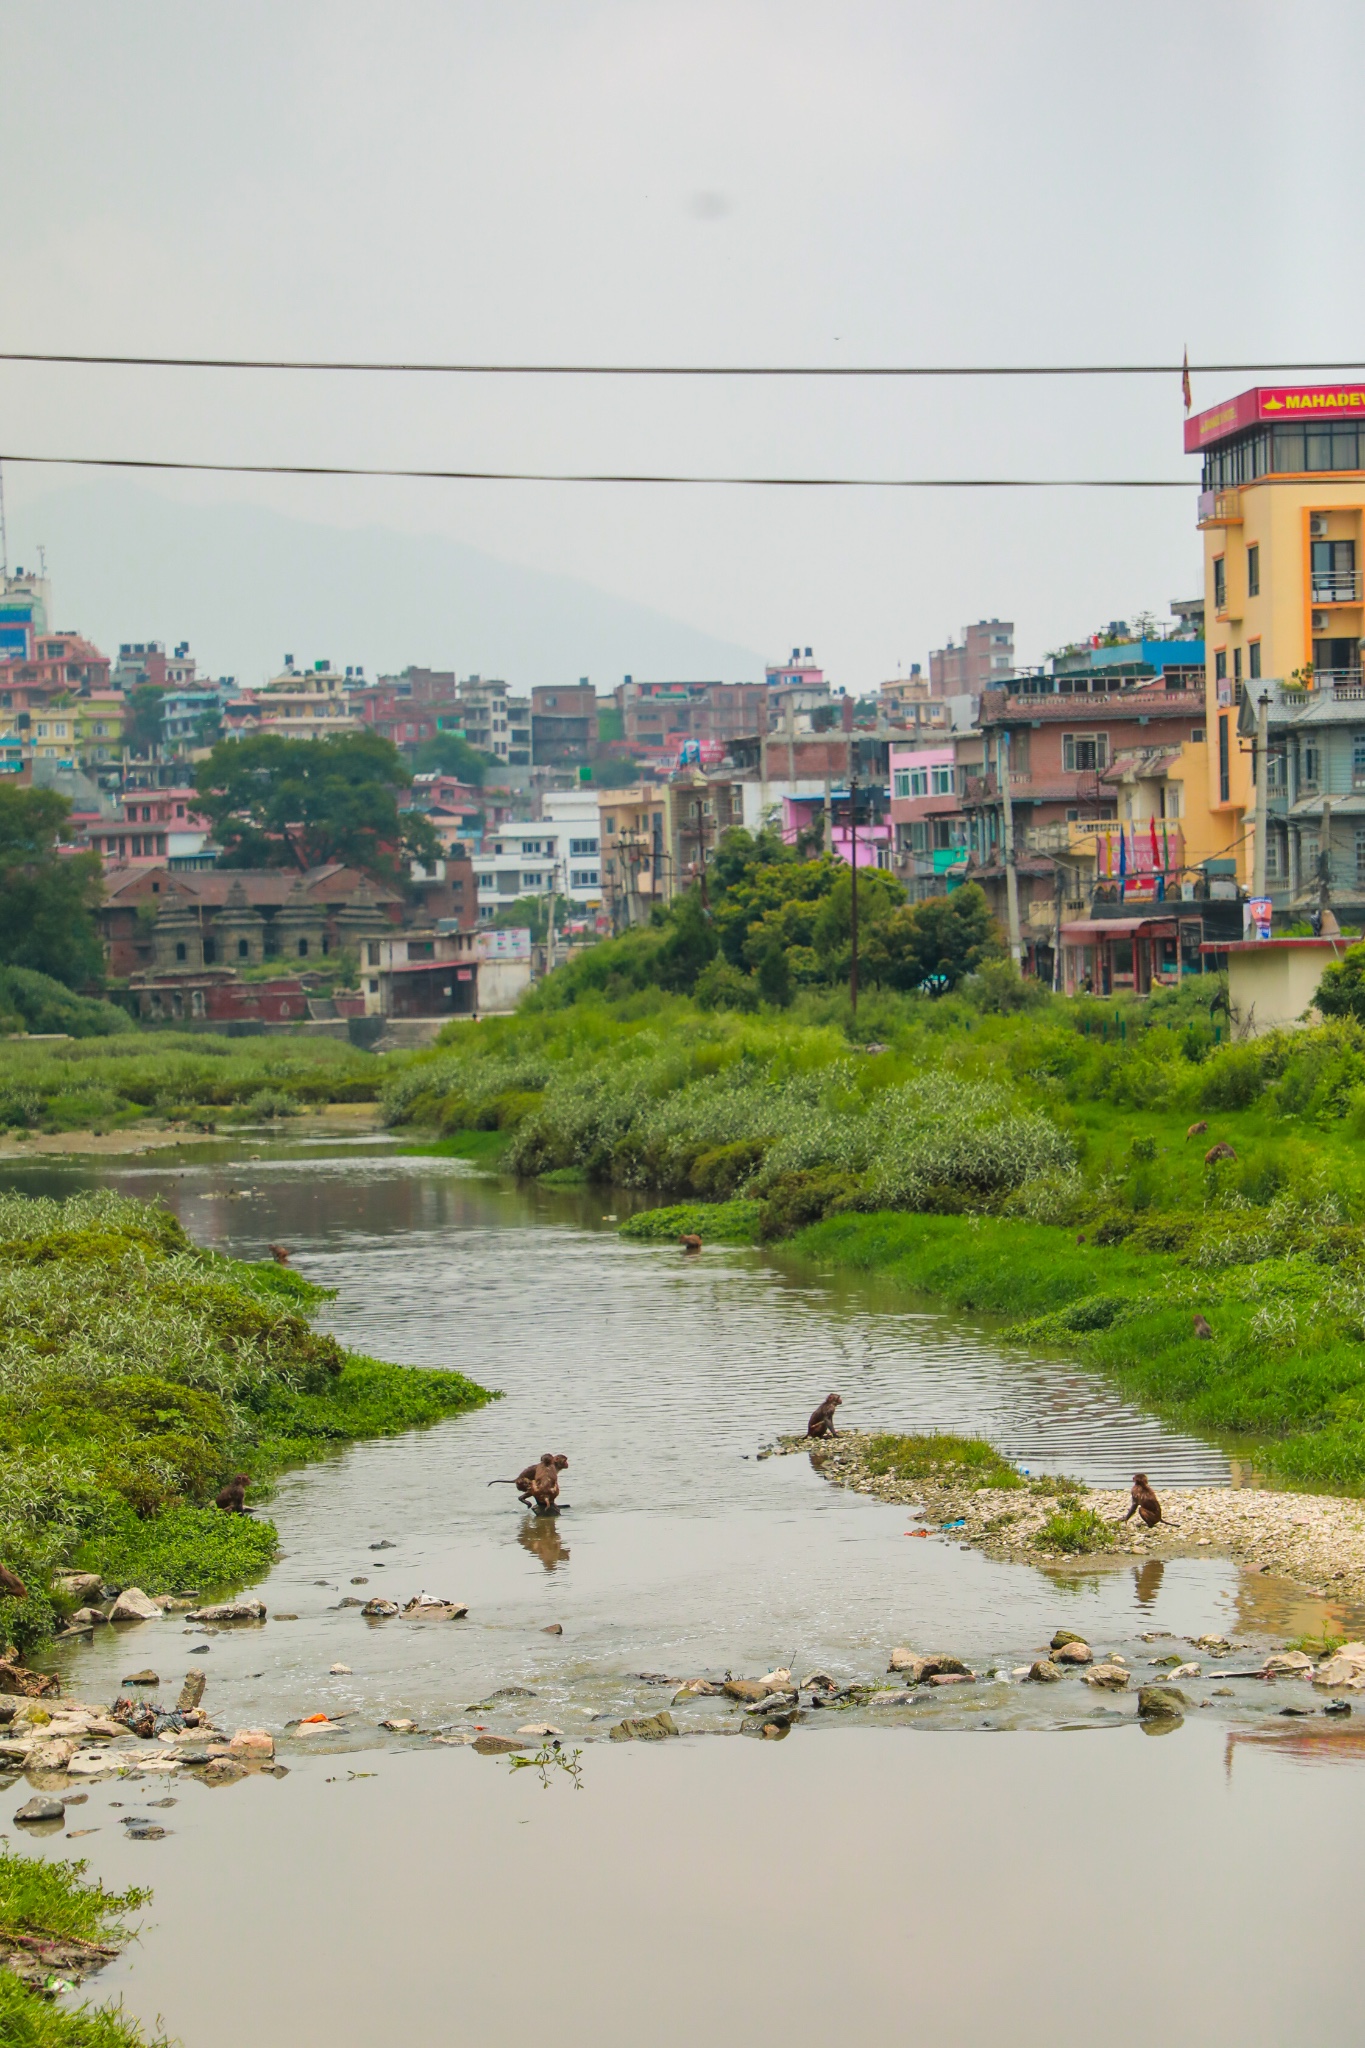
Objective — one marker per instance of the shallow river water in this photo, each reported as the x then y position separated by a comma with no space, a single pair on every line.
389,1890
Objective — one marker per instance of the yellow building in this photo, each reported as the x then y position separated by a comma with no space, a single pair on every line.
98,726
307,704
637,862
1280,512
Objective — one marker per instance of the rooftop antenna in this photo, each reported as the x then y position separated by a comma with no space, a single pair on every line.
42,561
4,543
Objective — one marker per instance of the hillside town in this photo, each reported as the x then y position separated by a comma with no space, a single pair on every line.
1108,800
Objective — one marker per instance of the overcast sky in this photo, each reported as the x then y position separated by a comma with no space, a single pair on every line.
747,182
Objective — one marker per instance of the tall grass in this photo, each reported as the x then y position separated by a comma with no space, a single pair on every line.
110,1081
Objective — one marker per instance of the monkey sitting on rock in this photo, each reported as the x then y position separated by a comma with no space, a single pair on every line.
1144,1502
822,1421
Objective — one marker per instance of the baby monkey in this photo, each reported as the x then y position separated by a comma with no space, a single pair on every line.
538,1485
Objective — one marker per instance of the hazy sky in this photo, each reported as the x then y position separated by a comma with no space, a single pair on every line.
647,182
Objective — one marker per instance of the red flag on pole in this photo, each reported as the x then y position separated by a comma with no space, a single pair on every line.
1185,380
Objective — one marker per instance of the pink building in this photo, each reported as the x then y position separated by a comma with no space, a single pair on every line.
156,825
801,814
926,818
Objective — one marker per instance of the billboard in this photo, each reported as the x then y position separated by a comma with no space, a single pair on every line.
1273,402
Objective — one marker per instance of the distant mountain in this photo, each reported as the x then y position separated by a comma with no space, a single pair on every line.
245,586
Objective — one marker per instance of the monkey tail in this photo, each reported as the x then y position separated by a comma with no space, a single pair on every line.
502,1482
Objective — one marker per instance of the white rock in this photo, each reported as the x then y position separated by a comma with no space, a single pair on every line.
250,1742
779,1680
539,1728
1184,1671
133,1605
339,1670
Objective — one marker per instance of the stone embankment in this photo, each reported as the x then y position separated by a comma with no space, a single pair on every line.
1316,1540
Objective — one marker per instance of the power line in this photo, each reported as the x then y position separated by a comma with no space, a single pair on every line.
675,369
537,476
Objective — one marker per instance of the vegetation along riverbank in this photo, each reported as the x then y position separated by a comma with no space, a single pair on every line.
56,1925
1100,1175
137,1373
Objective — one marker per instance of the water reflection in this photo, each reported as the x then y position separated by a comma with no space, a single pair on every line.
1147,1581
540,1535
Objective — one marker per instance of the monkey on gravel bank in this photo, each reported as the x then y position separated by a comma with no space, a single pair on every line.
1144,1502
822,1421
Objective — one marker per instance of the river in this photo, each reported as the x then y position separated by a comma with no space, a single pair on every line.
852,1874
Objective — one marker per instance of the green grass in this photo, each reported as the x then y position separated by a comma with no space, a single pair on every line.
1077,1530
105,1083
137,1373
55,1900
484,1148
713,1222
951,1460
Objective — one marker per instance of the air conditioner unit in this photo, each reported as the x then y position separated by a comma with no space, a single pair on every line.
1317,525
1320,622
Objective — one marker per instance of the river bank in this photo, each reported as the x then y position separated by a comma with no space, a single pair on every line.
1318,1541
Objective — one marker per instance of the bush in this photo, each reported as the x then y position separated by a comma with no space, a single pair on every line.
952,1460
723,987
1075,1530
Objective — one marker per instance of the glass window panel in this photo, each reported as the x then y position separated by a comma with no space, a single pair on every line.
1318,449
1288,448
1344,448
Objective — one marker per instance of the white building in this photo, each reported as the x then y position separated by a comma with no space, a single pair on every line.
558,854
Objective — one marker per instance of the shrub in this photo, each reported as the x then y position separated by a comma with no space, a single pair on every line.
954,1460
723,1170
1075,1530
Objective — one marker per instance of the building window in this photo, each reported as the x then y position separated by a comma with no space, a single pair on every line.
303,949
942,780
1220,584
583,878
1220,665
243,949
1224,766
900,782
1237,668
1085,752
180,949
1253,572
1254,660
583,846
1310,767
1196,735
532,881
1358,760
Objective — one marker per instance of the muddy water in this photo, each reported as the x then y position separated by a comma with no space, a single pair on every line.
388,1889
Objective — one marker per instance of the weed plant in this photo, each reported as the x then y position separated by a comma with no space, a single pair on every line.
1075,1530
950,1460
55,1901
105,1082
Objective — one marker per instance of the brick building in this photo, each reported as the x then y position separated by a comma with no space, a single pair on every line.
980,661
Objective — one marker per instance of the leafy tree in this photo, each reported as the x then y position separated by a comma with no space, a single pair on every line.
277,802
740,852
1341,992
935,942
143,726
450,753
47,898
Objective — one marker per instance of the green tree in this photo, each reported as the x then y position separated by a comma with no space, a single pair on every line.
935,942
1341,992
47,898
142,728
277,802
450,753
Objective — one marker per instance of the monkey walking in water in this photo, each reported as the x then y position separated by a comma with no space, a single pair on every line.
1144,1502
822,1421
538,1485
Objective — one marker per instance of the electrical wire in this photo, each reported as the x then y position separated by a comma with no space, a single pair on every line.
674,369
536,476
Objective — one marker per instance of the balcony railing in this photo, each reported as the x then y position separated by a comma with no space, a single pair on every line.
1336,586
1345,684
1220,508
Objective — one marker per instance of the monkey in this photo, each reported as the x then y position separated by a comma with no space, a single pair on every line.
1144,1502
1080,1237
12,1584
279,1253
822,1421
526,1478
1202,1326
1195,1131
232,1499
1222,1150
689,1242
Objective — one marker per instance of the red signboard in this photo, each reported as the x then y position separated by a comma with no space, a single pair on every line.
1273,402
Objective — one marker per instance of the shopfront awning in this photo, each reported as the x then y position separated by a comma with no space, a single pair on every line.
1087,929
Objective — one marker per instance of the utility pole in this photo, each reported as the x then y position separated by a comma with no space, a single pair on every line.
1002,764
1262,793
853,850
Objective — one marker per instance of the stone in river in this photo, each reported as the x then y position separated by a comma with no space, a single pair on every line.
645,1728
697,1688
400,1725
496,1745
223,1770
1073,1651
1161,1702
1345,1667
252,1742
380,1610
89,1617
951,1677
891,1699
133,1605
40,1809
192,1691
1287,1664
78,1585
746,1688
424,1607
542,1728
148,1677
1108,1677
230,1610
384,1544
814,1681
1045,1672
555,1628
1063,1636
